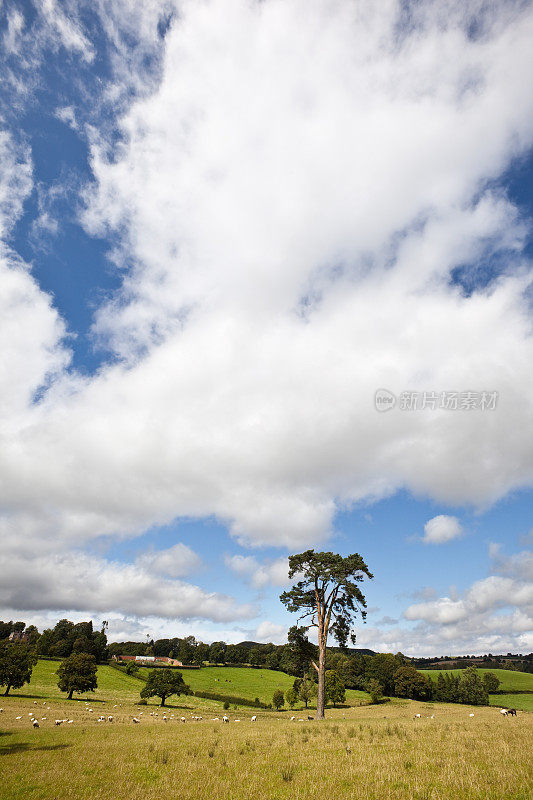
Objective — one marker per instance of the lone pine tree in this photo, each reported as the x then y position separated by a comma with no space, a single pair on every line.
328,592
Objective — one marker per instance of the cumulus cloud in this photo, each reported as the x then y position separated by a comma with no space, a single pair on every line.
270,632
174,562
260,574
518,565
81,582
495,614
287,228
441,529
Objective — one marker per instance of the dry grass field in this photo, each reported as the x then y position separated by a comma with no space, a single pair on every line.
380,752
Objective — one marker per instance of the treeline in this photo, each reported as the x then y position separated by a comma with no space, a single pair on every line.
64,639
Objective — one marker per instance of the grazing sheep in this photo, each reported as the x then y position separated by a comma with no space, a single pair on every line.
225,718
70,722
254,718
182,719
58,722
136,720
309,717
504,711
471,714
1,709
512,712
110,719
293,718
35,723
18,717
417,716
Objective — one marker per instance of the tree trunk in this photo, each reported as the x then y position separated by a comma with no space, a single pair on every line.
70,694
7,690
321,676
163,699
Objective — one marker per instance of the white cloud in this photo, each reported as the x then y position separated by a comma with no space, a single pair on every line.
77,581
268,573
518,565
174,562
292,224
66,29
441,529
270,632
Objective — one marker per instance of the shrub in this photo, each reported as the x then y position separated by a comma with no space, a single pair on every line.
375,690
226,705
278,699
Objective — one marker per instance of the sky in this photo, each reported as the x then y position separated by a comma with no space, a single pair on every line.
265,286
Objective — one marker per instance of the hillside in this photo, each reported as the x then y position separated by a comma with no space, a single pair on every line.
510,681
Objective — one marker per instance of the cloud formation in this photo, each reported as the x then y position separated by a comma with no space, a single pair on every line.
441,529
273,573
288,228
81,582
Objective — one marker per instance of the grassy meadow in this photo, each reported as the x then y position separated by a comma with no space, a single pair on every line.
379,752
248,683
510,681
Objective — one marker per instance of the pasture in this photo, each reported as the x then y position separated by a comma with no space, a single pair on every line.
510,681
374,752
248,683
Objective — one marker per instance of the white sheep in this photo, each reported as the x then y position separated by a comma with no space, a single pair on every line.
470,715
58,722
135,719
225,718
182,719
254,718
110,719
417,716
504,711
35,723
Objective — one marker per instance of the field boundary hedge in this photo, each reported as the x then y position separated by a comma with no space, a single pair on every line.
229,698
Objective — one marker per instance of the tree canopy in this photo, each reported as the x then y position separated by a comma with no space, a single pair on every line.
16,664
77,673
164,683
327,593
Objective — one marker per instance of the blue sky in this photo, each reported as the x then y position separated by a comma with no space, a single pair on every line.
213,252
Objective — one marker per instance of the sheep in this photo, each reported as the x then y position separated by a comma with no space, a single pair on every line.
417,716
136,720
471,714
70,721
236,720
309,717
182,719
504,711
18,717
110,719
225,718
512,712
293,718
35,723
254,718
58,722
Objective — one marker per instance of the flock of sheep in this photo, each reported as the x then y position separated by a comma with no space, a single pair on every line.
193,717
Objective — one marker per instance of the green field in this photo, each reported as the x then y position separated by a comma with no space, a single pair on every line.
509,679
383,752
370,752
247,683
524,702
